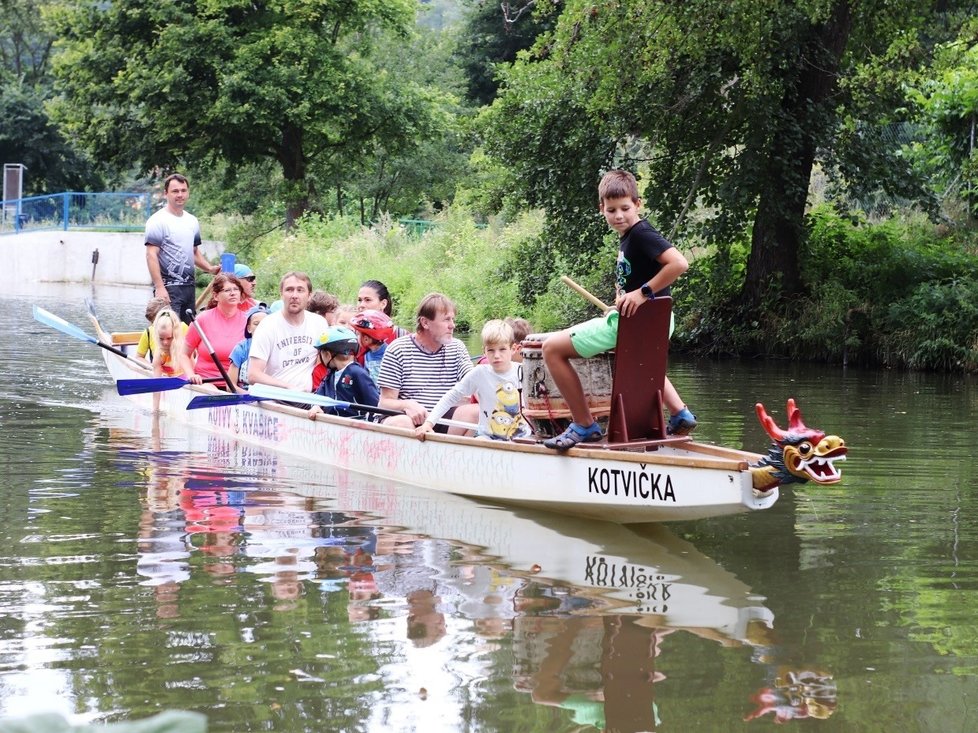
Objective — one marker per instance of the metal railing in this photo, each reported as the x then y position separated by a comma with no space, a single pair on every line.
126,211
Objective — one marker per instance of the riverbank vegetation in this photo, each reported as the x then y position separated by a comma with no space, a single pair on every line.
814,160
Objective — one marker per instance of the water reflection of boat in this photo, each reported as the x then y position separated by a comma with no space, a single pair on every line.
590,605
644,570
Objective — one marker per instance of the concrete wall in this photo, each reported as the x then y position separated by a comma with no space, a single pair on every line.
66,257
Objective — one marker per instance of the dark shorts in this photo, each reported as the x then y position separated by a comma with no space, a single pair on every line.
439,428
183,297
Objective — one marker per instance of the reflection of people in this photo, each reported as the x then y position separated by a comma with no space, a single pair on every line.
173,248
599,668
214,520
425,622
162,547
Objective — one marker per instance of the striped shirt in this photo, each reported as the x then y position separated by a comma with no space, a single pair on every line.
420,376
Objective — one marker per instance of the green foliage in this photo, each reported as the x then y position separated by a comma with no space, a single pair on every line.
208,80
492,34
25,41
722,107
946,106
473,266
894,294
414,164
28,136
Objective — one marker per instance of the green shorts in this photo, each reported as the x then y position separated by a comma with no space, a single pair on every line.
601,334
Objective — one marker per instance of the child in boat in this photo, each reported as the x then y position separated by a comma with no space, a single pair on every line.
521,329
144,349
497,385
325,304
168,335
647,265
343,315
345,380
375,330
238,368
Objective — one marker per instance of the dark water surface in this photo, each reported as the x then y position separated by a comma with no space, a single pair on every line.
145,568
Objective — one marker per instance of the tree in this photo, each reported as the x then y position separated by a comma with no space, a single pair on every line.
723,107
28,136
25,42
494,33
947,109
160,84
413,161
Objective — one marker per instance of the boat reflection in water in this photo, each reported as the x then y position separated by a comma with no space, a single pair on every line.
587,607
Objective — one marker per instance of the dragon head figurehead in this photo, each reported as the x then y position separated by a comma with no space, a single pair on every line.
798,454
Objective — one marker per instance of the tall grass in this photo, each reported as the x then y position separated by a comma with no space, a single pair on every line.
472,265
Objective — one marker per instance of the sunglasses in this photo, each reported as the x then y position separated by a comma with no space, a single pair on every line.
250,278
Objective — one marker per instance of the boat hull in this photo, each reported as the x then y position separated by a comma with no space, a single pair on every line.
678,481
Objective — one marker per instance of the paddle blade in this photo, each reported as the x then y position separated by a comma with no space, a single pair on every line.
59,324
220,400
142,386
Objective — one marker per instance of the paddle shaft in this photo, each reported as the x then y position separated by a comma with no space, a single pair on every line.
585,294
210,350
311,398
155,384
69,329
204,295
227,400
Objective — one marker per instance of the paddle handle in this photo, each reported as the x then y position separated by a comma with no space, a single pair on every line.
113,349
210,350
204,295
585,294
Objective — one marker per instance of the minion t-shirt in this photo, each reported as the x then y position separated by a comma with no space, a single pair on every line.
499,402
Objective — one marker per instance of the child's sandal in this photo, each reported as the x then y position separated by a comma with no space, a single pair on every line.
573,435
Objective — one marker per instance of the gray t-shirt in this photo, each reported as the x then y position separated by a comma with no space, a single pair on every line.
176,236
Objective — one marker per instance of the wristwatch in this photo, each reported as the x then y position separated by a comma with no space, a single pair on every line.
647,292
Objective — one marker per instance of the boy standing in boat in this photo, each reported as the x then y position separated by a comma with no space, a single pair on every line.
647,265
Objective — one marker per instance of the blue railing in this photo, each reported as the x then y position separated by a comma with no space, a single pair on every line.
74,210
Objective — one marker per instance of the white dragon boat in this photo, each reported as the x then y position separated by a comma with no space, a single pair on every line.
653,478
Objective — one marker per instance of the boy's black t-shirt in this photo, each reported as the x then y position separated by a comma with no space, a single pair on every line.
637,257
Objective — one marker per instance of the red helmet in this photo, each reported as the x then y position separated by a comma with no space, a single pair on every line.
375,324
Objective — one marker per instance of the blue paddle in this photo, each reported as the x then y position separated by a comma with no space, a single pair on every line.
155,384
206,401
259,392
69,329
269,392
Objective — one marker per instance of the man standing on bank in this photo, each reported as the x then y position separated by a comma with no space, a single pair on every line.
173,248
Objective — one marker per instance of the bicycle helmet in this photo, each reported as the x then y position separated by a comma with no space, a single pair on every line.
338,340
375,324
